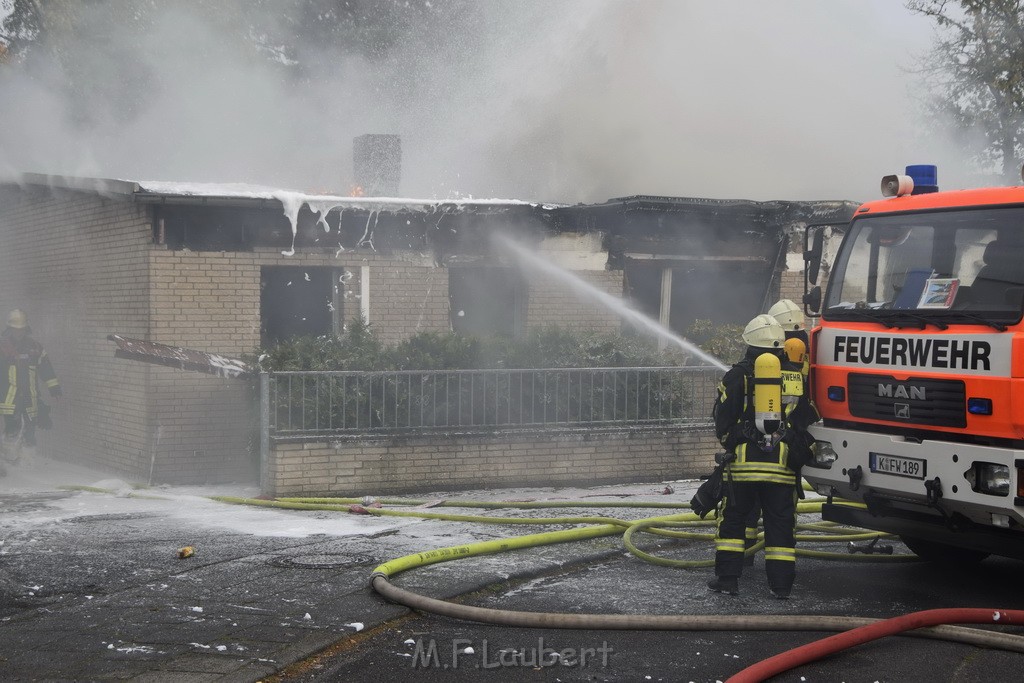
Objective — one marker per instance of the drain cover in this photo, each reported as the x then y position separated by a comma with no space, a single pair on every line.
320,561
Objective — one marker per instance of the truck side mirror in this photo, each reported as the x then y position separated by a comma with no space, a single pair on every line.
814,243
814,240
812,301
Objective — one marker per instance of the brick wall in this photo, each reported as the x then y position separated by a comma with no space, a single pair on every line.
406,297
389,466
85,267
791,286
210,301
76,263
553,302
791,277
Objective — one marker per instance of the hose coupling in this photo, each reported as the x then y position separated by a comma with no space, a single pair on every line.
869,548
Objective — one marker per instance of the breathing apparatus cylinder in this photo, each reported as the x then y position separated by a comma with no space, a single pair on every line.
768,393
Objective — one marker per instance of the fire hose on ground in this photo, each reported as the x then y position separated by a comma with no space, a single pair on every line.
855,630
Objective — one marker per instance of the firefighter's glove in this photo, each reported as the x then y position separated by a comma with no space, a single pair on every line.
798,443
56,392
797,438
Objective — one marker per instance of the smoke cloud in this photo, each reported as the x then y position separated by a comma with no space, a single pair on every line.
575,100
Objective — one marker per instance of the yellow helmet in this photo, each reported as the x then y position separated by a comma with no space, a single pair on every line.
788,314
764,332
17,319
795,349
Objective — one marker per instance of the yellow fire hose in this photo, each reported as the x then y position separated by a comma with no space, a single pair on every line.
599,526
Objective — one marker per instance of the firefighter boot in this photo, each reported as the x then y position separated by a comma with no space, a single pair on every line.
725,584
28,456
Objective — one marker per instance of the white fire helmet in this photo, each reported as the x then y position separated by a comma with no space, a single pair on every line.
764,332
17,319
788,314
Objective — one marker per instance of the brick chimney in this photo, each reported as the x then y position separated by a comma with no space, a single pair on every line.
377,164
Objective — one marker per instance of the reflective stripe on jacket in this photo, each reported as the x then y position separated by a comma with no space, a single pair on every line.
25,365
752,465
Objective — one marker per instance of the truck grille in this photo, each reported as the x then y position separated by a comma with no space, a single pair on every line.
919,401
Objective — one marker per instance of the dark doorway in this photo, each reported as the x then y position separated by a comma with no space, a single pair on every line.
722,291
486,300
296,301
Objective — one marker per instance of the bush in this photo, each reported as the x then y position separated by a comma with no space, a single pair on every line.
552,347
724,341
357,349
546,347
436,351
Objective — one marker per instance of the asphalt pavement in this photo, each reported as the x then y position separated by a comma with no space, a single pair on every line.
92,588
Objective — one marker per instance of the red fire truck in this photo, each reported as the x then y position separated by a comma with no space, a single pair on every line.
917,368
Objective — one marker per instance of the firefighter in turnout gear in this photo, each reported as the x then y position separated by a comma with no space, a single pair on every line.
763,437
796,392
789,315
24,365
795,362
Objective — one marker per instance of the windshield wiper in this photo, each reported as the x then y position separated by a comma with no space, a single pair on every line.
870,314
922,320
961,315
890,318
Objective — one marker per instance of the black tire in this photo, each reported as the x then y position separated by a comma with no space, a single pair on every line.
942,553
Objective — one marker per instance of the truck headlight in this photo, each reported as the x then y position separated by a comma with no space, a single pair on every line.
824,455
989,478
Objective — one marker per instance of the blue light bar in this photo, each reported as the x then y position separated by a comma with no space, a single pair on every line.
926,178
979,406
837,393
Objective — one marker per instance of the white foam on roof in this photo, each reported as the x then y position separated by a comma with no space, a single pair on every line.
244,190
322,204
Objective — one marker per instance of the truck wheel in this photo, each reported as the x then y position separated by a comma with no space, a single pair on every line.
940,552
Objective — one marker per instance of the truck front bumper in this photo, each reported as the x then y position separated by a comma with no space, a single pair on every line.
933,487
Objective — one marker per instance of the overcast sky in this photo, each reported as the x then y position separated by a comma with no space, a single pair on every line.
572,100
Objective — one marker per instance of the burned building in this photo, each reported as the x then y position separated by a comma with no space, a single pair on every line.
231,269
684,259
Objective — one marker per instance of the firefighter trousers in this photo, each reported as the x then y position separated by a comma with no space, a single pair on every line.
778,509
20,423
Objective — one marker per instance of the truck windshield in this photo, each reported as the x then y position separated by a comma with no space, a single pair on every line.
942,267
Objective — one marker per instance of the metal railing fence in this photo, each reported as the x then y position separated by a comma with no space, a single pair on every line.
308,404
